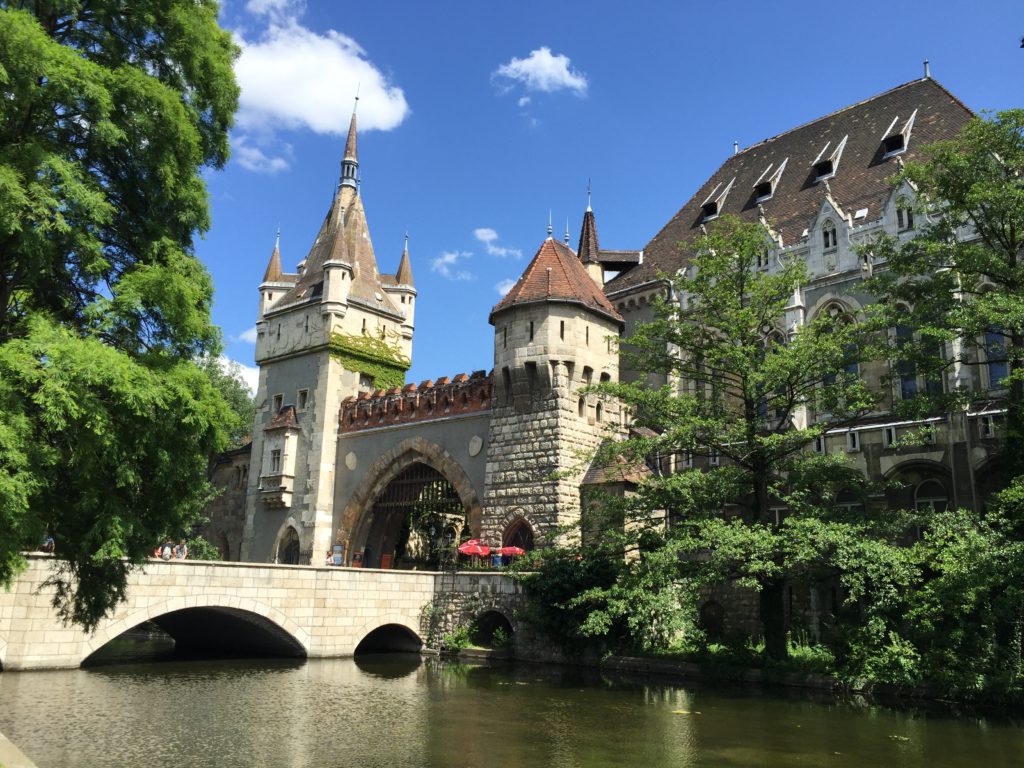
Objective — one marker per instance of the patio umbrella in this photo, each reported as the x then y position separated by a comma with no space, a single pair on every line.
511,551
474,547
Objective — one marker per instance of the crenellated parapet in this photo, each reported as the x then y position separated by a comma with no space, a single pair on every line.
426,401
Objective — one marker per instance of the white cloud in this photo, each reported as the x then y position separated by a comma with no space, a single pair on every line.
248,335
541,71
293,78
252,158
505,286
523,101
249,373
447,265
489,238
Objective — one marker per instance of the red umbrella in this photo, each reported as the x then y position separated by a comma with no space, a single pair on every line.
474,547
511,551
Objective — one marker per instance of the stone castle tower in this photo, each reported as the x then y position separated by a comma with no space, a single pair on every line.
335,328
555,332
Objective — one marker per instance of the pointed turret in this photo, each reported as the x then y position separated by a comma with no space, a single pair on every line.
404,274
274,273
350,163
588,249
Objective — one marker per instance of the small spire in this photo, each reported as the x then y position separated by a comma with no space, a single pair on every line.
274,273
550,228
735,147
588,195
566,230
404,274
927,70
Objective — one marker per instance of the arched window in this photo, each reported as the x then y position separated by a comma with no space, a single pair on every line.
518,534
289,548
582,407
828,235
930,496
598,412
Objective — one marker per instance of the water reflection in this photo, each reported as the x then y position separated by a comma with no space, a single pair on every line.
396,710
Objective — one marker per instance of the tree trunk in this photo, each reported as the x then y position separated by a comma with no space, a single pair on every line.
773,620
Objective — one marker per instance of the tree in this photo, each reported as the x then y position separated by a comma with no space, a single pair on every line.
750,394
109,113
960,281
226,378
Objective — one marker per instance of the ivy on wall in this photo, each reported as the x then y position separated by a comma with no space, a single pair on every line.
372,357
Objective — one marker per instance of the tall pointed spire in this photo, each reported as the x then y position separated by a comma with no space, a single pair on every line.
350,163
274,273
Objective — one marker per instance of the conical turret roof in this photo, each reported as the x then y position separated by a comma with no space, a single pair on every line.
588,249
556,275
274,273
404,274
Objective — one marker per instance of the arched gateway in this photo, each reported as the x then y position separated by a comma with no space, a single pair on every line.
414,496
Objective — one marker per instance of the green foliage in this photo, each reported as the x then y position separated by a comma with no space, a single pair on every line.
501,639
201,549
241,405
106,425
375,358
458,638
748,382
962,276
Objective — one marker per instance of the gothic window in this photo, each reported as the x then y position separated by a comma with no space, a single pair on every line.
598,412
582,407
519,534
828,235
275,461
904,215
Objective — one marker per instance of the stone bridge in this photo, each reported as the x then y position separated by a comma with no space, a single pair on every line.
249,608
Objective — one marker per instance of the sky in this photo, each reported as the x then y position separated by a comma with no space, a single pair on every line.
478,120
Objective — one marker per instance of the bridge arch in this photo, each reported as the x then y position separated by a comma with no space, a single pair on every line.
261,616
395,633
388,467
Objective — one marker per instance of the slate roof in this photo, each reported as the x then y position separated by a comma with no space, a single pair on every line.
861,179
343,236
556,274
283,419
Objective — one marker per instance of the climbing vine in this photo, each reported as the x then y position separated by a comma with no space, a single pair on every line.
372,357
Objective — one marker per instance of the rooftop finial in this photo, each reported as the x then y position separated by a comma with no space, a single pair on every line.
735,147
550,228
566,230
277,238
588,195
927,70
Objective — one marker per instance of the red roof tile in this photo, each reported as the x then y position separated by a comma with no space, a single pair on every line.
555,274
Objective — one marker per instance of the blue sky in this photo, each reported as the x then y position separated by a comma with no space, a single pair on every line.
477,118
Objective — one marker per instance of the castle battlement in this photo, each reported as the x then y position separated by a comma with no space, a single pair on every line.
425,401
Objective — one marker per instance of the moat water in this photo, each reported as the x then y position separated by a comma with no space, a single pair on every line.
401,711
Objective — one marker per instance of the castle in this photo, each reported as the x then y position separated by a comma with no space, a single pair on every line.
346,456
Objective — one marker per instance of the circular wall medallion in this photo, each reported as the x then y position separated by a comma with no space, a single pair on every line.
475,444
350,460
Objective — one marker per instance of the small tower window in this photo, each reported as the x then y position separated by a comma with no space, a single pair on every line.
588,336
275,461
581,407
504,337
270,297
599,412
302,399
561,330
278,402
531,330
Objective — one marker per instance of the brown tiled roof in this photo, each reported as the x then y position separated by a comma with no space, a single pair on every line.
284,419
621,470
861,179
555,274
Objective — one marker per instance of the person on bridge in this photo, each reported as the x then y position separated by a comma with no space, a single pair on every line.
330,558
181,551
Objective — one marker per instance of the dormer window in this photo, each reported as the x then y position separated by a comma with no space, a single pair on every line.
828,235
827,161
765,186
712,206
896,137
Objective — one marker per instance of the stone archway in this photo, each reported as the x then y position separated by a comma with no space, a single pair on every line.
387,468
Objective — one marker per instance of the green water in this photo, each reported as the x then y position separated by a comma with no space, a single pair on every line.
397,711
